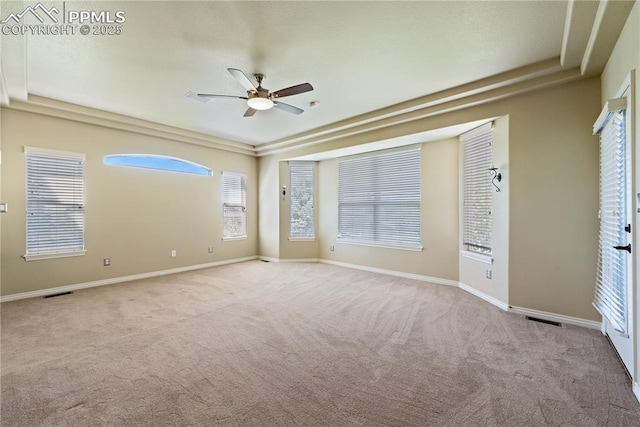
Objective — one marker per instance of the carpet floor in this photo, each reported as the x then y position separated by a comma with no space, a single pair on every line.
299,344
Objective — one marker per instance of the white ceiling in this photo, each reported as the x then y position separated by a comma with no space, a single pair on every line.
359,57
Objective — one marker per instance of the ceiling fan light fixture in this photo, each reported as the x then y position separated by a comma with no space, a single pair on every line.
258,103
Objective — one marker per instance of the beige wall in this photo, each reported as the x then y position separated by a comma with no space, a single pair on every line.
269,203
439,258
1,200
626,57
133,216
553,198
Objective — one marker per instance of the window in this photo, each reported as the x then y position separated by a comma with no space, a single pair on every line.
234,205
301,202
379,199
158,162
55,203
611,281
477,192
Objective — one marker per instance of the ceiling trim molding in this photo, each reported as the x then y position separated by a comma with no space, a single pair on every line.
576,31
58,109
607,25
444,102
517,75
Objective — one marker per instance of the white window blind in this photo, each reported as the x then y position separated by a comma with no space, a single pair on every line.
610,295
379,199
301,199
477,193
55,203
234,205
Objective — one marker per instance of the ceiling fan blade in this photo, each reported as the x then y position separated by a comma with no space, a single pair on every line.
242,79
211,95
288,108
293,90
250,112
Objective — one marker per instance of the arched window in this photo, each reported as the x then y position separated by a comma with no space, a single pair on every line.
158,162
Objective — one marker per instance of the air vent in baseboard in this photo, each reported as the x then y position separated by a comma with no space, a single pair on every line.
58,295
264,260
548,322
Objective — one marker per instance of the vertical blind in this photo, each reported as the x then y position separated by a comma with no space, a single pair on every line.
234,204
477,193
610,295
55,202
379,199
301,199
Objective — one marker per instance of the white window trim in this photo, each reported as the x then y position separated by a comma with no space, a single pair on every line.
59,153
52,255
376,245
477,257
231,239
302,239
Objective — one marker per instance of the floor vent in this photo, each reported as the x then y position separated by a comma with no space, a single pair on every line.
58,295
264,260
548,322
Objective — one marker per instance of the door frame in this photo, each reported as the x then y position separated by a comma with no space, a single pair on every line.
627,89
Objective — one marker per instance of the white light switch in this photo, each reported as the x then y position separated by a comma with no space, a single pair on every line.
4,207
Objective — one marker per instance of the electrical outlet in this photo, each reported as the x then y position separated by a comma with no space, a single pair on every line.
332,248
210,249
106,262
174,253
488,273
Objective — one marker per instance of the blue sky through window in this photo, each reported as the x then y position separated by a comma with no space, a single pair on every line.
158,162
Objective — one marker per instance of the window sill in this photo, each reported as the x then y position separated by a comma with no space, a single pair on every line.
302,239
52,255
477,257
231,239
380,245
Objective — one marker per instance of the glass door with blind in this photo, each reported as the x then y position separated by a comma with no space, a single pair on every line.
614,285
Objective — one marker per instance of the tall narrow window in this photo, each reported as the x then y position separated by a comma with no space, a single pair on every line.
611,281
55,203
301,200
379,199
477,193
234,205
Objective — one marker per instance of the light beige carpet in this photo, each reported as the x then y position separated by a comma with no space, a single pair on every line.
299,344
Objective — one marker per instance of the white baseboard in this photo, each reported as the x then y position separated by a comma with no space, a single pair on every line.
402,274
592,324
636,390
113,280
488,298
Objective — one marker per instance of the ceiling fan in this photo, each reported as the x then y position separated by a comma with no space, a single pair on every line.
259,98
